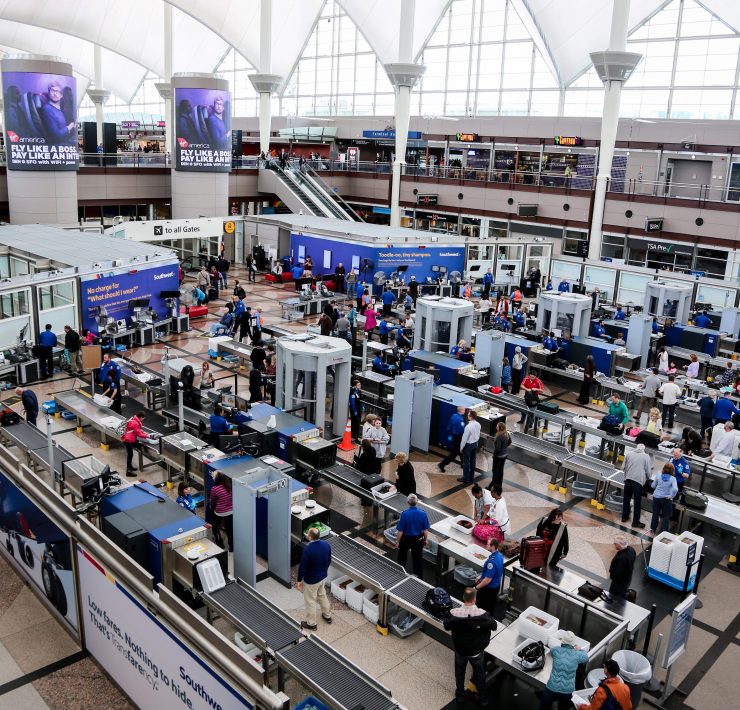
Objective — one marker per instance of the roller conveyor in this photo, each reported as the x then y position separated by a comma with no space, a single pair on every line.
410,595
363,562
346,474
539,446
254,616
398,503
334,678
589,466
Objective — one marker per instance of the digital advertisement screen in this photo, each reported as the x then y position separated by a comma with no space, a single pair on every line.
40,121
202,130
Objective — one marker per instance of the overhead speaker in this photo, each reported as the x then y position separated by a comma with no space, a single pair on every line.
699,221
628,214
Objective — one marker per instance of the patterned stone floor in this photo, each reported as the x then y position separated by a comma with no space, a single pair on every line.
418,670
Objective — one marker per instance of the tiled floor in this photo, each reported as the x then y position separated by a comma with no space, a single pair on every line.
418,670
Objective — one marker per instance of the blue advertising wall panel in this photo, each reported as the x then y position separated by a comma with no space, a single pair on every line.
40,121
203,130
41,550
383,258
115,291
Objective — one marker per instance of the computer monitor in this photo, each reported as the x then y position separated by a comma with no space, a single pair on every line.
169,294
228,400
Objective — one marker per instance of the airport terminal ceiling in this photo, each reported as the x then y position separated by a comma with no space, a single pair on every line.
483,57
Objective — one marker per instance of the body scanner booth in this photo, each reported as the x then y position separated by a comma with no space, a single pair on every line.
441,323
304,364
564,313
668,301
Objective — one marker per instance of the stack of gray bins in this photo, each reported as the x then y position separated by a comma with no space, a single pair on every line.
614,497
583,487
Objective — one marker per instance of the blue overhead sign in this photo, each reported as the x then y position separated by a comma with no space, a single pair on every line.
385,135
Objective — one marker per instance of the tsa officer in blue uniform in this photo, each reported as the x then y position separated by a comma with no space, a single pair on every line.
388,299
109,366
599,330
564,286
412,531
620,314
47,343
455,429
487,282
551,343
381,367
702,320
219,425
488,583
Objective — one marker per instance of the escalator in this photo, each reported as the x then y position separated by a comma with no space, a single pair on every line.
303,193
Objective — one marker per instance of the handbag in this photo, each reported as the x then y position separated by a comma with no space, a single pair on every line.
592,592
531,399
485,531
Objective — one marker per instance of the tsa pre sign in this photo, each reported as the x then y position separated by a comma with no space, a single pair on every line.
143,656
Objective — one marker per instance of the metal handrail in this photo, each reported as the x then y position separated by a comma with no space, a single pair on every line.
336,195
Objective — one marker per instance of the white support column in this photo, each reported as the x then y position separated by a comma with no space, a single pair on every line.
614,67
265,83
164,87
403,75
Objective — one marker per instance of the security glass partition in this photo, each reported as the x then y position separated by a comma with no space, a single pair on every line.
631,288
57,305
716,297
601,278
16,324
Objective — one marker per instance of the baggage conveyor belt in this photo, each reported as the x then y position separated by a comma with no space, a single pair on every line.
253,615
534,445
364,564
333,678
397,503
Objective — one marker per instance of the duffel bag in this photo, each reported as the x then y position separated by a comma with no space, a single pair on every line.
485,531
692,498
509,548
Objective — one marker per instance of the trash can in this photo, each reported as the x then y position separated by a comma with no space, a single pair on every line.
635,670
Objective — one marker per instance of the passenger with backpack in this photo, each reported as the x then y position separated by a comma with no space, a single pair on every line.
612,694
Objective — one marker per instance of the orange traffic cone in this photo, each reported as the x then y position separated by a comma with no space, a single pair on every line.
347,444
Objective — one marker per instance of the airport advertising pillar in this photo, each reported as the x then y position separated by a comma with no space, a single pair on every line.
201,147
40,124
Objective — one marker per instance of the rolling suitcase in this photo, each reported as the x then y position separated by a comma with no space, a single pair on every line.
212,294
533,553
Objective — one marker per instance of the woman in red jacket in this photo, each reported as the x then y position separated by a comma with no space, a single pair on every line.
130,438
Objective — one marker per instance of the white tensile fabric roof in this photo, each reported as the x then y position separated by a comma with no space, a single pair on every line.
131,33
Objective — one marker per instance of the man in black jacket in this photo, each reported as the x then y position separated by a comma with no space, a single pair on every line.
471,629
620,570
72,345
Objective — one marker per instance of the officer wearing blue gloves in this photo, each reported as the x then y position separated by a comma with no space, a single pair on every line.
599,331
